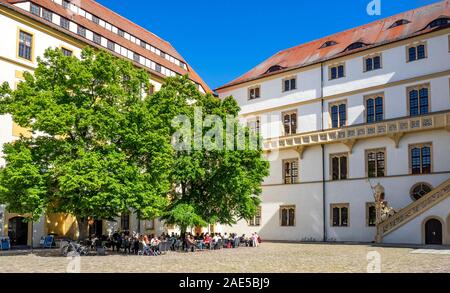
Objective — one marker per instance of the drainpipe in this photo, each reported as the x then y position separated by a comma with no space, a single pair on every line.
323,158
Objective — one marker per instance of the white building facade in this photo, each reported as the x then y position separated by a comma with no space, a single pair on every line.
343,113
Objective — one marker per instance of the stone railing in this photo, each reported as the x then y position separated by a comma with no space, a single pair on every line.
416,208
393,129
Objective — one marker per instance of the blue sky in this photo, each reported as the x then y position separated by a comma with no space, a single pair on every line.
222,39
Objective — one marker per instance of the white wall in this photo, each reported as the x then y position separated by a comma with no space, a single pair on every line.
413,231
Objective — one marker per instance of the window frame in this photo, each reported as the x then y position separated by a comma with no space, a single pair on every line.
249,98
32,57
257,121
290,112
81,28
336,65
340,206
330,120
108,43
297,180
420,145
416,45
418,87
372,56
63,48
288,208
376,151
253,222
374,97
368,206
62,20
39,9
49,13
122,221
339,155
289,78
96,38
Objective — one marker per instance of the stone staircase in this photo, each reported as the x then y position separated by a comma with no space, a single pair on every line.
416,208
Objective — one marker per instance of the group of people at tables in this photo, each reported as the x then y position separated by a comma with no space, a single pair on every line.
133,243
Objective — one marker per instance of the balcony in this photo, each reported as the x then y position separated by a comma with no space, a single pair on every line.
394,129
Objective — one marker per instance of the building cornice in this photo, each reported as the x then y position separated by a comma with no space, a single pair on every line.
334,59
350,93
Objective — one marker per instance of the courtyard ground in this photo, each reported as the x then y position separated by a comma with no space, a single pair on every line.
269,257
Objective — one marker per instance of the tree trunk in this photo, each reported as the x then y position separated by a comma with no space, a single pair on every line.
83,227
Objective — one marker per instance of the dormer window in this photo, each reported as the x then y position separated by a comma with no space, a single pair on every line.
399,22
274,68
440,22
355,46
328,44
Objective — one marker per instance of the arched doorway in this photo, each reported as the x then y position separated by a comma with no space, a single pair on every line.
433,232
18,231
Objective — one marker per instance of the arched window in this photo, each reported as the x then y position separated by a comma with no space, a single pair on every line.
328,44
274,68
355,46
419,190
399,22
443,21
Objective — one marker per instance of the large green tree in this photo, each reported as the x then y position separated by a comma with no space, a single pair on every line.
214,179
97,150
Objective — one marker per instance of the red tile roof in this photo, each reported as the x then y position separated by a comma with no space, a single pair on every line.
373,34
126,25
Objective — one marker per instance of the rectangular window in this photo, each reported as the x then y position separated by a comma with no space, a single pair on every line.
256,220
376,163
66,52
47,15
420,158
125,222
290,171
338,112
254,125
34,9
111,45
289,84
25,45
254,93
95,19
149,224
287,216
143,44
158,68
121,33
372,62
64,23
65,3
81,31
416,52
162,54
136,57
290,123
339,215
336,71
418,100
374,108
339,166
97,39
371,214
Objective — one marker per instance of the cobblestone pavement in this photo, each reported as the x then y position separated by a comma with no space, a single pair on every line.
269,257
